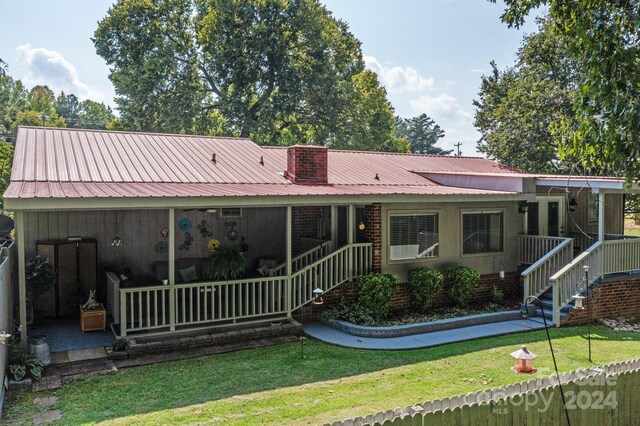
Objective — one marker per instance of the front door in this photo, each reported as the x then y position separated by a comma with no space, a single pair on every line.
546,216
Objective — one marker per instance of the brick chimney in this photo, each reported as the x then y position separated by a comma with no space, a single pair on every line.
307,164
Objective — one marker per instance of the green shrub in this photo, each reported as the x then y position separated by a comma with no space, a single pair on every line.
375,291
497,295
423,284
460,280
351,311
120,344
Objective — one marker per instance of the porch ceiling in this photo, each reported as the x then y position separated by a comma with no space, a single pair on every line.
595,183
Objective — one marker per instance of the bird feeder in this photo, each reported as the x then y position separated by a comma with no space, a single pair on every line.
524,360
577,299
317,296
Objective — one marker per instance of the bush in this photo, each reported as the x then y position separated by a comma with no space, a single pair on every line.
497,295
354,312
119,345
375,291
423,284
460,280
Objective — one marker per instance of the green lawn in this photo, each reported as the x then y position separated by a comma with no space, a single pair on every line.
274,386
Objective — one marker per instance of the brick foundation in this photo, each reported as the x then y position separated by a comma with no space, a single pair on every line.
401,299
613,298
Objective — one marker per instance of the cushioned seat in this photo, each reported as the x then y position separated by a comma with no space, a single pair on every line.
161,269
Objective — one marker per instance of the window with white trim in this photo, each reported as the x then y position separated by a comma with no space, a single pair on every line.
413,236
482,232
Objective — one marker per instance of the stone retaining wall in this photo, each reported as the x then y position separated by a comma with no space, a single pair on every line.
136,348
423,327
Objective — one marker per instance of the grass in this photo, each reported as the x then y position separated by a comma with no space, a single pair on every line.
274,386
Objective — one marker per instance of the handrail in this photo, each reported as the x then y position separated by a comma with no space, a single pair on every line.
318,251
536,276
566,281
533,247
225,302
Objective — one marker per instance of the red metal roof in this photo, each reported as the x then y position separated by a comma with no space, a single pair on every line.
74,163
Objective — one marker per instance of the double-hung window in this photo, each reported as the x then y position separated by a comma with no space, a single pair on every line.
413,236
482,232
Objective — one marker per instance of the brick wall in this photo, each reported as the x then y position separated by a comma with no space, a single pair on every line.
304,224
372,219
613,298
401,299
307,164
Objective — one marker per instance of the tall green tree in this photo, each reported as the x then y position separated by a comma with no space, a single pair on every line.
276,70
518,108
422,133
603,37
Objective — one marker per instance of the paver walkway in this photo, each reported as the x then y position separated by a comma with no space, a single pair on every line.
336,337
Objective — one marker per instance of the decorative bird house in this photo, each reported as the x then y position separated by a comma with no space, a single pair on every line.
577,299
524,360
317,296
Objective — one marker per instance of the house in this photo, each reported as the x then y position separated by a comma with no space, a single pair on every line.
147,205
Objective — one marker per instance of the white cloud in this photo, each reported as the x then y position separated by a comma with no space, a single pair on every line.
399,79
443,106
44,66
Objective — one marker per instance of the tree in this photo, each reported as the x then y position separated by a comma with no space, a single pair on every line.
278,71
422,133
68,107
518,108
603,37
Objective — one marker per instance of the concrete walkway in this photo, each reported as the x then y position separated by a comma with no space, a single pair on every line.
329,334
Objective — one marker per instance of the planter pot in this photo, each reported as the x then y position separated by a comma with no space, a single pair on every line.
39,348
111,354
529,309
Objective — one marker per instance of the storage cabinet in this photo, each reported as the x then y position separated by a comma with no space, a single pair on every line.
75,264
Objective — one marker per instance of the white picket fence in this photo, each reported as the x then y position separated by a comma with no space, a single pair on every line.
6,306
182,306
602,396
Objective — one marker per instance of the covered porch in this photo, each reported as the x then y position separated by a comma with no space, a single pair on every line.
557,264
142,257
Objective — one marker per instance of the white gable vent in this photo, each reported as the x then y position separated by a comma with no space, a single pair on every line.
231,212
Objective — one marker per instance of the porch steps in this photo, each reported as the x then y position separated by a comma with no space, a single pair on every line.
547,307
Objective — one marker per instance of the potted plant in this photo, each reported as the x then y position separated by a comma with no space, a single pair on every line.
39,276
226,262
21,364
118,349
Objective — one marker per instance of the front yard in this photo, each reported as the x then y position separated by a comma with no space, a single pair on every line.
274,386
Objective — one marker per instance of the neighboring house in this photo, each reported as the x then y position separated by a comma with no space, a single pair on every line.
307,216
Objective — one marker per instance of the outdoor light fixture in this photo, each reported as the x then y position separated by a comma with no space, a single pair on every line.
361,226
117,241
523,360
573,204
523,208
317,296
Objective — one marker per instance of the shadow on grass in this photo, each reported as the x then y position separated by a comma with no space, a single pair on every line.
184,383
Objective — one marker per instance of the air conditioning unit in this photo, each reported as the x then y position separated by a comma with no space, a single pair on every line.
231,212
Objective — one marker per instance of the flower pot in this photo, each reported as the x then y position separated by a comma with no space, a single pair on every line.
39,348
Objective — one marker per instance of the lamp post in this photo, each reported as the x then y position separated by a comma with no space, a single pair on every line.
578,298
524,313
316,301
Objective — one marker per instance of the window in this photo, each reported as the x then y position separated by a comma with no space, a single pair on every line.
593,207
482,232
413,236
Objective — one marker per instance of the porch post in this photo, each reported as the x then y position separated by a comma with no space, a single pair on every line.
22,278
289,255
601,216
351,229
172,269
334,227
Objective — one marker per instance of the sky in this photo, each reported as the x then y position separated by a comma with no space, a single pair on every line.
429,54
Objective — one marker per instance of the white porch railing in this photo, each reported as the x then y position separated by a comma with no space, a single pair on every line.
603,257
536,277
300,261
348,262
227,302
533,247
